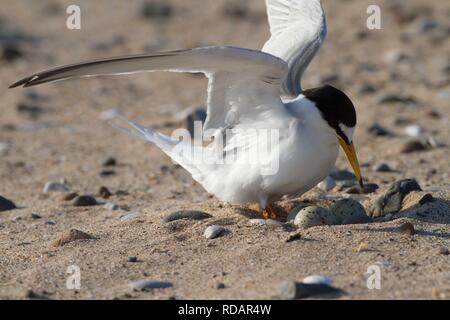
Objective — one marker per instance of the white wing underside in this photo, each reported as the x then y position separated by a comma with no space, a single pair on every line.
244,84
298,29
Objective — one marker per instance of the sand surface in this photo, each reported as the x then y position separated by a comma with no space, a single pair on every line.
68,140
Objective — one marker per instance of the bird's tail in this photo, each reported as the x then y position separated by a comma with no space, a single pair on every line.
180,151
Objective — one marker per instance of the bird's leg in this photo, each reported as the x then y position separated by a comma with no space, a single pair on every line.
270,212
273,211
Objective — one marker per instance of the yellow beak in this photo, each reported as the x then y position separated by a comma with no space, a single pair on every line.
350,152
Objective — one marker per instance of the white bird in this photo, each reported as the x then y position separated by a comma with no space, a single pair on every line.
251,91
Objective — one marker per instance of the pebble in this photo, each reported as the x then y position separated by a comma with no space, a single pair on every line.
265,222
444,251
291,290
31,110
314,216
236,10
69,196
10,52
35,216
132,259
426,25
411,146
189,215
149,284
327,184
84,201
110,162
379,131
156,9
111,206
393,99
382,167
55,187
107,173
407,228
317,279
414,131
370,188
4,148
30,294
104,193
341,175
131,216
349,211
391,200
70,236
363,247
6,205
213,232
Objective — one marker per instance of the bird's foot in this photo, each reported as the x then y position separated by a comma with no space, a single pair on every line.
270,212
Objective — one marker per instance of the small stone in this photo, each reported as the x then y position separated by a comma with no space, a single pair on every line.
293,237
411,146
291,290
363,247
317,279
30,294
55,187
236,10
84,201
391,201
189,215
414,131
35,216
395,99
407,228
354,190
370,188
314,216
10,52
132,259
149,285
30,110
131,216
220,286
378,130
426,25
110,162
349,211
342,175
382,167
444,251
327,184
104,192
6,205
69,196
111,206
214,231
156,9
107,173
70,236
427,198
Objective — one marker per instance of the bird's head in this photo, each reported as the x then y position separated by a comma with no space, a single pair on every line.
338,111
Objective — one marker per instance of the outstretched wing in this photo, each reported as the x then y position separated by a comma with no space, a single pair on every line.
298,29
243,82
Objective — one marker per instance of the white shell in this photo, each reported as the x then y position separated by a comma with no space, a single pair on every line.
317,279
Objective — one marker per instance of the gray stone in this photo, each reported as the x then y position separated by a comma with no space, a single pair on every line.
149,285
188,215
84,201
291,290
55,187
6,205
327,184
349,211
382,167
213,232
131,216
111,206
391,200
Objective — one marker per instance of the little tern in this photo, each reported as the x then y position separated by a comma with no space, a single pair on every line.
251,89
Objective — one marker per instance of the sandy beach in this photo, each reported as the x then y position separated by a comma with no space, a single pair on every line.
398,78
